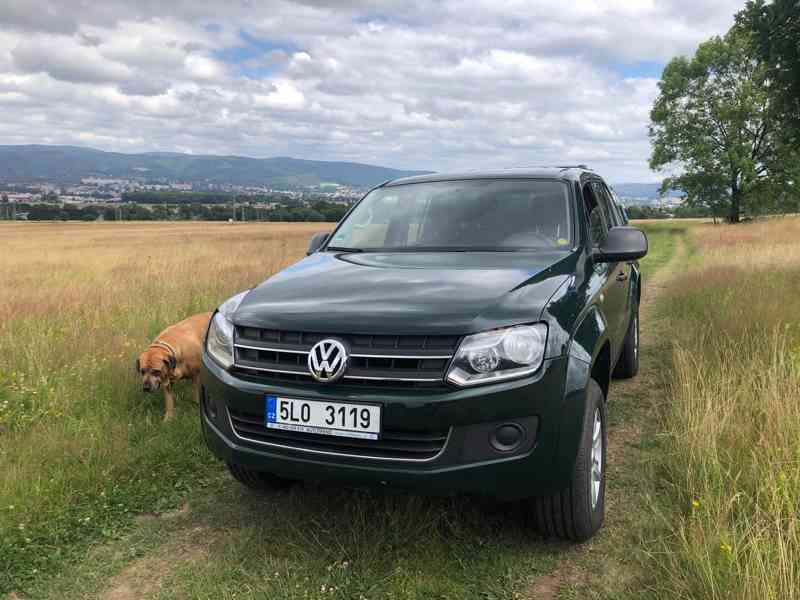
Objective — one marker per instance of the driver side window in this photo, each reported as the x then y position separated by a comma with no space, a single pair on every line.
596,216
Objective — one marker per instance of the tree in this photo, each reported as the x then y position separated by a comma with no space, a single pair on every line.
706,192
775,31
713,119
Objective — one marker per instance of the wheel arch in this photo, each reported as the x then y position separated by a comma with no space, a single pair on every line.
601,368
589,357
636,280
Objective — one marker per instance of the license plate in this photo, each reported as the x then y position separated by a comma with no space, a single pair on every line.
323,417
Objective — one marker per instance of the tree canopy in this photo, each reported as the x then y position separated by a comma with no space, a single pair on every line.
713,123
775,30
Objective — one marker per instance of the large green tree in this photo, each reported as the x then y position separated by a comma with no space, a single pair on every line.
775,30
712,126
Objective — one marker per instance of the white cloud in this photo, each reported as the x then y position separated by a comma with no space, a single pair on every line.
446,85
65,59
284,95
204,68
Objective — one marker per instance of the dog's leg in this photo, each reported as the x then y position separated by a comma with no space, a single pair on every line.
196,387
169,403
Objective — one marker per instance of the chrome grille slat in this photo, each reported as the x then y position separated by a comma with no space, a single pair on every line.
270,348
375,360
405,356
417,446
274,348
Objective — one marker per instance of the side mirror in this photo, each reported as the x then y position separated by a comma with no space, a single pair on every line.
316,242
622,244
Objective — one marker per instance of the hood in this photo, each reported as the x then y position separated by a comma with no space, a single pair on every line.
441,293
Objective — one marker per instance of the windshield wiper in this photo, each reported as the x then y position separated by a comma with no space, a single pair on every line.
342,249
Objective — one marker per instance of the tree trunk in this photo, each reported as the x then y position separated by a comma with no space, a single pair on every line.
736,204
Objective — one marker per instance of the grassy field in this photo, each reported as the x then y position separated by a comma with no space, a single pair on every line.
99,498
732,420
81,448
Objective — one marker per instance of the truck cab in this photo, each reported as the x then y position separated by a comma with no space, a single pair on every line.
454,333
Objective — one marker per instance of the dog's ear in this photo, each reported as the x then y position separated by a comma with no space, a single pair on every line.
138,367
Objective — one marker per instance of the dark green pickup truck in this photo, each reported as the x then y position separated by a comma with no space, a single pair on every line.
454,333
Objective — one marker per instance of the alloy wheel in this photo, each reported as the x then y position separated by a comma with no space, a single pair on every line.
597,458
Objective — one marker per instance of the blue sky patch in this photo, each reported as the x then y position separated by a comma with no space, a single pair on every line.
641,69
256,57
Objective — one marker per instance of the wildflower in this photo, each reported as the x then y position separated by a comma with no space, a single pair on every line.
695,503
726,548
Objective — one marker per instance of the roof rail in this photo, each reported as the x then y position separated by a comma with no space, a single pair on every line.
562,167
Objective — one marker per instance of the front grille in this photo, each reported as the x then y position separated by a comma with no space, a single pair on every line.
417,361
392,445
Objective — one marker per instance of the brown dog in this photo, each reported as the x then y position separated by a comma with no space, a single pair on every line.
176,353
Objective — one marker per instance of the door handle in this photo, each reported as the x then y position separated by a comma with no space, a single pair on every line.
622,276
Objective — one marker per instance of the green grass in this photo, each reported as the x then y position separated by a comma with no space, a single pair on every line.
707,487
732,420
315,542
614,564
662,239
82,450
86,455
92,466
334,543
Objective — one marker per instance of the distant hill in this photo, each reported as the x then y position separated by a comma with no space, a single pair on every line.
641,192
69,164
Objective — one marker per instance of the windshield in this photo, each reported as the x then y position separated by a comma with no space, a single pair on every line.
479,215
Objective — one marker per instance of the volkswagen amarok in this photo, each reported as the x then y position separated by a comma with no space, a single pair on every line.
454,333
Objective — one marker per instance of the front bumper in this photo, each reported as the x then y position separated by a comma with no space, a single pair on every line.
467,462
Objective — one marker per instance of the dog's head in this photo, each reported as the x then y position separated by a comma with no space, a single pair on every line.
155,366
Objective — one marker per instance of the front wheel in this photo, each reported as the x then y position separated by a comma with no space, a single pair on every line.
577,512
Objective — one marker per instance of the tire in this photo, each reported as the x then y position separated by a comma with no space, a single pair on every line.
628,363
577,512
258,481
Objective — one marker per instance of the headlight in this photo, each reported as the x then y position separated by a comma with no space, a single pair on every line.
498,355
219,342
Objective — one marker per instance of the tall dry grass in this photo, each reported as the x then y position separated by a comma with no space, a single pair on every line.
732,454
80,446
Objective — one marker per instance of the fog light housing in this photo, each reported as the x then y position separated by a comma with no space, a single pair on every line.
507,437
209,405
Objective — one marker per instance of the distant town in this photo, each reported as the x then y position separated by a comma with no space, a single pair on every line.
100,198
96,198
43,183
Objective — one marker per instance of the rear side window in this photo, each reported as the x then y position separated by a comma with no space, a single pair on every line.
623,216
596,214
604,196
612,206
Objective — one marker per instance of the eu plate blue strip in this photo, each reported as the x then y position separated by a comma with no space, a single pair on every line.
271,409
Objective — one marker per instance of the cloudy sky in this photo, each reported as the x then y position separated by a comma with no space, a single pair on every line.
456,84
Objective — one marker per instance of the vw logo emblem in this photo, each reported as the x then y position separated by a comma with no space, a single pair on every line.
327,360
